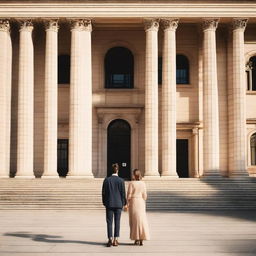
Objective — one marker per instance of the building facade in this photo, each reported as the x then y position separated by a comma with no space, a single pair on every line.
168,87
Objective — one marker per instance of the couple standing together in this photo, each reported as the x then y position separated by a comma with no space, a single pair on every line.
114,199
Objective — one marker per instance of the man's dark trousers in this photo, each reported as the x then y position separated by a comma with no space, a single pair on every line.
113,198
116,214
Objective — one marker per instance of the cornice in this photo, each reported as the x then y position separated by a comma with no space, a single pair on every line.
124,9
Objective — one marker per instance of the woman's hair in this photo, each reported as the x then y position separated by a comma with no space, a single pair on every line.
115,168
136,175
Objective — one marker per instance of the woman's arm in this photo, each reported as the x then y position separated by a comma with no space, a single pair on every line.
129,193
144,193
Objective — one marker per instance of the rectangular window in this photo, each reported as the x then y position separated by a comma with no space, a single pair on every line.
182,76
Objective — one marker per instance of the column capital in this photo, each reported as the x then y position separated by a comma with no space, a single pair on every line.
151,24
81,25
169,24
4,25
26,25
238,23
51,25
210,24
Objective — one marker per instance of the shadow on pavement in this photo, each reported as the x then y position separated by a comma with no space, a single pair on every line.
50,239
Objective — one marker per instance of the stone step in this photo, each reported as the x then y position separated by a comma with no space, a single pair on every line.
164,195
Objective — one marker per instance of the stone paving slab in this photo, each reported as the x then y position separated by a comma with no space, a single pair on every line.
56,232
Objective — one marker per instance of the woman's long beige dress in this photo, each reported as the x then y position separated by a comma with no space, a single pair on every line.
136,197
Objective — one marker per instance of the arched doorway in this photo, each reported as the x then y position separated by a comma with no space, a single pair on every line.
119,147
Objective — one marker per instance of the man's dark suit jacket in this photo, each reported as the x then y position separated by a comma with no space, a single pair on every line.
113,192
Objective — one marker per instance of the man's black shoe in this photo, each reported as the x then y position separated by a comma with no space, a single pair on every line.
109,244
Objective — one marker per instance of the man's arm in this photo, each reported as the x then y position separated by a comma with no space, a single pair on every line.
104,192
123,194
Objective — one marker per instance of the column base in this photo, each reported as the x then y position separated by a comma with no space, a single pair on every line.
24,177
4,177
80,177
211,177
151,177
169,177
50,177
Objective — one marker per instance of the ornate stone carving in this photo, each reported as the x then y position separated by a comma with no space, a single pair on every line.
26,25
169,24
51,25
151,24
5,25
239,23
81,25
211,24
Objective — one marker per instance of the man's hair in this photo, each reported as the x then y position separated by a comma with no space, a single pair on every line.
115,168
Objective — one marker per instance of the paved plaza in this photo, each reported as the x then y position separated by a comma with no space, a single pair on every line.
79,232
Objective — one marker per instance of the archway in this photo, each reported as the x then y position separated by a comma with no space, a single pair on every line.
119,147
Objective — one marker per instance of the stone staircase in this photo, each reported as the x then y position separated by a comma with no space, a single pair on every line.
163,195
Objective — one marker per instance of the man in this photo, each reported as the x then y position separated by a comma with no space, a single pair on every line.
114,199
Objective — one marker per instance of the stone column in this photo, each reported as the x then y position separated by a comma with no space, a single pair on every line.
169,98
25,137
151,98
51,100
5,97
80,111
237,128
210,99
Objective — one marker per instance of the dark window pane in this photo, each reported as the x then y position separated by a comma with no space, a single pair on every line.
253,67
253,149
64,69
119,68
160,70
182,69
248,80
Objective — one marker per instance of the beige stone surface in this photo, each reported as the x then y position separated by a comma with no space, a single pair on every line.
84,233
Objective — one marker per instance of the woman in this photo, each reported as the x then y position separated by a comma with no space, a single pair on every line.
136,199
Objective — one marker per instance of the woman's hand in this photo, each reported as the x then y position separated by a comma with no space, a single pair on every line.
125,208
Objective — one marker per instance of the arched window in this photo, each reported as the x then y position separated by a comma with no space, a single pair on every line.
253,149
119,68
182,69
63,69
251,74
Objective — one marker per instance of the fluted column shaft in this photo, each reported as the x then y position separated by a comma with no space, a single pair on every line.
210,98
5,97
169,98
25,102
151,98
80,115
51,100
237,145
